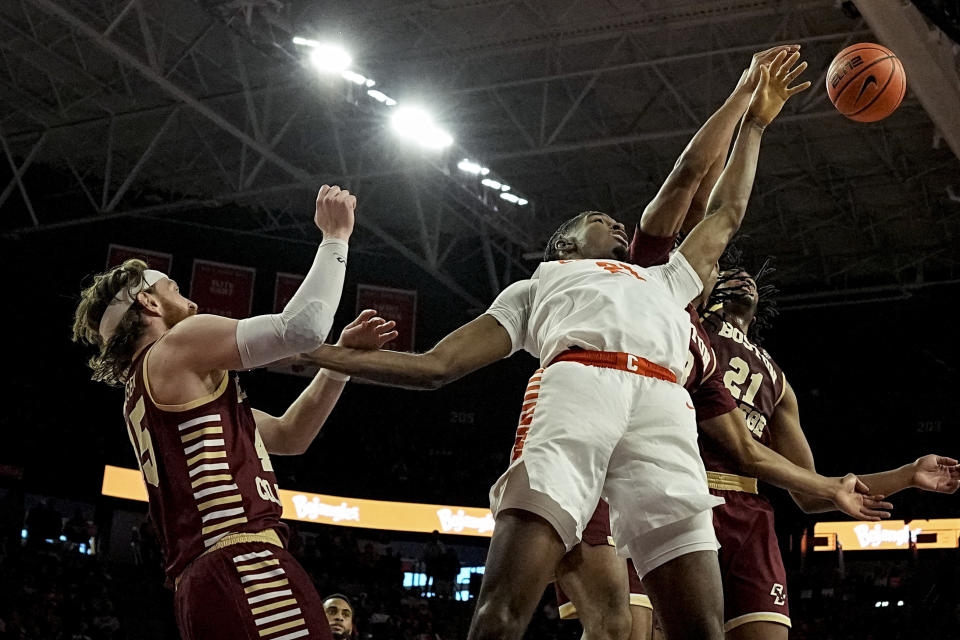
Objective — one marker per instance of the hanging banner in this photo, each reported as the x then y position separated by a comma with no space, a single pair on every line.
222,289
888,534
399,305
286,285
343,512
117,254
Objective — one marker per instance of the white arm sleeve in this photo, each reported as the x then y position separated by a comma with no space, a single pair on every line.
305,321
680,279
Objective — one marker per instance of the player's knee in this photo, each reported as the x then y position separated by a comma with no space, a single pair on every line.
495,621
704,624
615,624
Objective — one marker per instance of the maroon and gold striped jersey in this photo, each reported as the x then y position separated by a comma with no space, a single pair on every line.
204,464
752,378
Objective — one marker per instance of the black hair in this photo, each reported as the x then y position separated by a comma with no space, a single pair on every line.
733,261
550,252
340,596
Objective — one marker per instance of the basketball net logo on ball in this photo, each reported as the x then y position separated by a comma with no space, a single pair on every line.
866,82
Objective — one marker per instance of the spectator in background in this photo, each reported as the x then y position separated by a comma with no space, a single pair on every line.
339,612
390,568
43,523
447,571
77,529
433,553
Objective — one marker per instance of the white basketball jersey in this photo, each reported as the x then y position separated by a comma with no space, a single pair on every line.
602,305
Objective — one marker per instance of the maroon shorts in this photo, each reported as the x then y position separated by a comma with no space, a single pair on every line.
754,580
596,533
249,590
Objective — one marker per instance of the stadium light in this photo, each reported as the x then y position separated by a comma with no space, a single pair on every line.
490,182
329,58
355,78
305,42
469,166
380,96
417,125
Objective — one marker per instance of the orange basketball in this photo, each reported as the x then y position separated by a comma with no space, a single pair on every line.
866,82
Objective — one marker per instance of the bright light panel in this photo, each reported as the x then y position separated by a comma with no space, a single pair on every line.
417,125
329,58
354,77
379,96
306,42
490,182
469,166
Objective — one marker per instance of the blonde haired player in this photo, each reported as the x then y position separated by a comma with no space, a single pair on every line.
608,417
203,451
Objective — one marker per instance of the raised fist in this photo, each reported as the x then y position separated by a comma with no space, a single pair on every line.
334,215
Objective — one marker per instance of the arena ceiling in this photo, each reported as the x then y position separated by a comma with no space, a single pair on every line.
205,112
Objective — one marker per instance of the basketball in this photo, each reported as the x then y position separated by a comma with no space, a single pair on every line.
866,82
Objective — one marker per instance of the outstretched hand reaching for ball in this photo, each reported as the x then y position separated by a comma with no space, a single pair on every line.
853,498
774,88
936,473
367,331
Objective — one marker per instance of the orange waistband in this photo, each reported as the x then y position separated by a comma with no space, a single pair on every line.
616,360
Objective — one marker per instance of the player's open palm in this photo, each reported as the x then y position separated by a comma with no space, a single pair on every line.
774,88
367,331
854,499
751,76
936,473
334,215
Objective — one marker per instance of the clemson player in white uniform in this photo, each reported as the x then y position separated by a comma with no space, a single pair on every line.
610,419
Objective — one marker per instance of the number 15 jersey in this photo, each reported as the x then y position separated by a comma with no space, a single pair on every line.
206,470
752,378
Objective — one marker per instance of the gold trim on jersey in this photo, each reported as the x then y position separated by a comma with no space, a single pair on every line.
218,501
731,482
783,389
713,363
206,455
266,585
258,565
205,479
223,525
267,537
275,605
186,406
760,616
640,600
568,611
207,431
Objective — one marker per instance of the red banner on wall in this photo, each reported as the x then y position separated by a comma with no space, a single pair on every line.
287,285
399,305
117,253
222,289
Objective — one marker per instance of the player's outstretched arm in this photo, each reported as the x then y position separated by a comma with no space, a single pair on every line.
848,494
929,473
292,433
471,347
729,199
206,343
684,193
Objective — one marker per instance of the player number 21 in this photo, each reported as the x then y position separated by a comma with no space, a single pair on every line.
739,370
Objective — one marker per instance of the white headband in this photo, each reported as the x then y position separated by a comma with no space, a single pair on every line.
124,300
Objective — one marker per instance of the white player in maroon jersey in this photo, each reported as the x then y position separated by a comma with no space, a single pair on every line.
609,417
203,452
